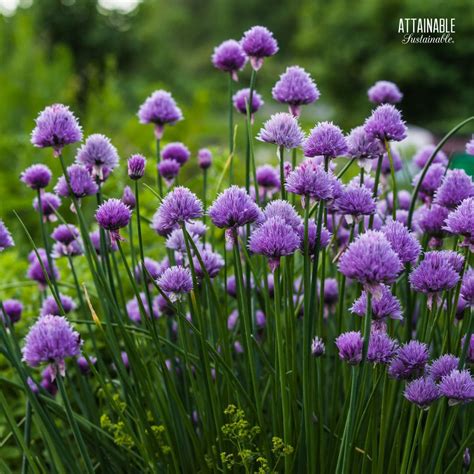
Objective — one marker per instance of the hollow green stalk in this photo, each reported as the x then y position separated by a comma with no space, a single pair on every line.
394,181
376,186
281,151
47,247
231,126
281,357
74,426
159,181
27,436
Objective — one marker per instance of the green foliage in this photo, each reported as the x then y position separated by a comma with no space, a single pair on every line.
355,45
245,452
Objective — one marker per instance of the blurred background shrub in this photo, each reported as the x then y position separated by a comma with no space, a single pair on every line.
104,62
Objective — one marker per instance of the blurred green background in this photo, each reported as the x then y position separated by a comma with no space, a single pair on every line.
104,63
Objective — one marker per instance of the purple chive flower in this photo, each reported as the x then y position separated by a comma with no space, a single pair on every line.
51,340
431,182
452,258
424,154
442,366
153,269
242,97
397,162
49,204
35,270
125,361
65,233
402,216
74,249
95,240
331,291
213,262
282,129
98,154
33,386
161,305
175,240
404,199
233,208
179,206
317,347
382,349
6,239
295,88
403,242
422,392
56,127
312,234
470,147
136,166
466,458
128,198
85,365
13,309
461,307
176,151
134,311
355,201
310,179
384,92
370,260
455,188
457,387
80,181
287,169
461,220
238,349
274,239
232,286
467,287
160,109
175,282
66,237
229,57
284,210
326,139
369,183
50,306
113,215
363,147
36,176
168,170
258,43
387,306
410,361
268,177
431,219
434,274
260,319
48,383
197,228
204,158
386,123
232,320
350,345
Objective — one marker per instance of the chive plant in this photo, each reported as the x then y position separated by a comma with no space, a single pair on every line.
299,321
